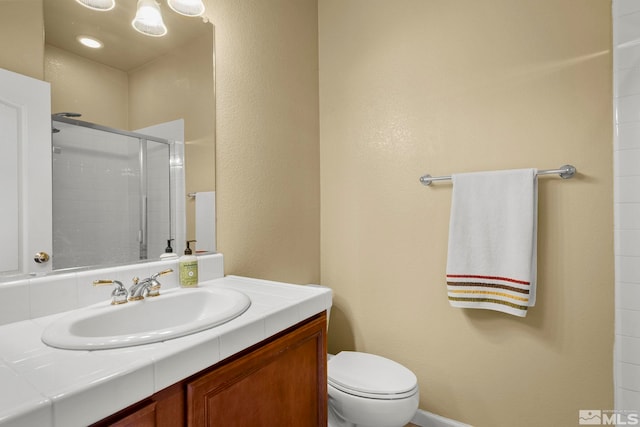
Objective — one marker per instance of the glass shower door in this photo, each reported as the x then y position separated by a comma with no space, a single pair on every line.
111,201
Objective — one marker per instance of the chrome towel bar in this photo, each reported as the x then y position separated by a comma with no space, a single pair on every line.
565,172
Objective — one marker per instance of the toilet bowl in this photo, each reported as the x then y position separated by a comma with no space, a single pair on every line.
366,390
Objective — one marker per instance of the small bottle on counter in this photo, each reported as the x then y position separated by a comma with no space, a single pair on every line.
188,266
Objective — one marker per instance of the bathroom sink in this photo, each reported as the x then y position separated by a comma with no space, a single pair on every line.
175,313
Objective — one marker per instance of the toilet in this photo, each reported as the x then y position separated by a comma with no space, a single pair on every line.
367,390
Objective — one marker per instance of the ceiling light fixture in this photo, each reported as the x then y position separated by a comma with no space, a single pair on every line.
187,7
90,42
148,20
101,5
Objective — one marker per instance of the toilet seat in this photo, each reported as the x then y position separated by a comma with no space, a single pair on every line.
371,376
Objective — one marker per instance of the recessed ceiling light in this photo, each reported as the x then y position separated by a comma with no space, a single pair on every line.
90,42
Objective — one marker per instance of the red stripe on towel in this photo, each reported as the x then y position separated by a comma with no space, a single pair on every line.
471,276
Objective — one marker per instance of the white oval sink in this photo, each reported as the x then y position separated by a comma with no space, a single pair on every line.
175,313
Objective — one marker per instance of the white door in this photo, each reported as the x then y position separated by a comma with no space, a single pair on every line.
25,176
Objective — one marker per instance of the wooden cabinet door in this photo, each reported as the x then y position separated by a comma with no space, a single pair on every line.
163,409
143,417
283,383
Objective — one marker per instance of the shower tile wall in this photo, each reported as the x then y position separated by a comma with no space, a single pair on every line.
626,67
92,199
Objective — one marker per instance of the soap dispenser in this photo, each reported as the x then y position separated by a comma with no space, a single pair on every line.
168,252
188,266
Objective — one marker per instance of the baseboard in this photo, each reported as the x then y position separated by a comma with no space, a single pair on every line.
427,419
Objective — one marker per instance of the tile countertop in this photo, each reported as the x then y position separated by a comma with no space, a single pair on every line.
45,386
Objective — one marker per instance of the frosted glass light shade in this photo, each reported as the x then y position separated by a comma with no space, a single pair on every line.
187,7
101,5
148,20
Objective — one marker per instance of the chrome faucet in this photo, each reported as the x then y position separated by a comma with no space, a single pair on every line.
149,287
119,294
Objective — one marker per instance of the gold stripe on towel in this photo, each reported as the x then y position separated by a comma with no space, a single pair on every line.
490,285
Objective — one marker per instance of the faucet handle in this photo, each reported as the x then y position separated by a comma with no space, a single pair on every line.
162,273
154,289
119,294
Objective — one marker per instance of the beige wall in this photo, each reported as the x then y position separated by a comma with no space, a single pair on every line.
411,87
267,184
22,54
98,92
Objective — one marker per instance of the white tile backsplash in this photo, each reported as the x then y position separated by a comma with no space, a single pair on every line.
41,296
49,295
14,301
626,102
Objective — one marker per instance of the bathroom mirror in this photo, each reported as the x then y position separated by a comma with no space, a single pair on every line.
153,80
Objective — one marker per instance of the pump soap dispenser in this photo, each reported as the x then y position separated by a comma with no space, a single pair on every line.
188,268
168,252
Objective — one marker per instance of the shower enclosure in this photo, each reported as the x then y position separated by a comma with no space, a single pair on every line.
112,194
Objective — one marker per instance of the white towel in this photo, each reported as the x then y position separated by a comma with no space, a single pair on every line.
206,221
491,261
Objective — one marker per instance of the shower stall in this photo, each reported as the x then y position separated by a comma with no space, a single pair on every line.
113,194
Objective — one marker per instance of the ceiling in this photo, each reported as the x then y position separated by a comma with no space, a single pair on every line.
124,48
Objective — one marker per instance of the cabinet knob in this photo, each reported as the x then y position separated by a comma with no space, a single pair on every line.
41,257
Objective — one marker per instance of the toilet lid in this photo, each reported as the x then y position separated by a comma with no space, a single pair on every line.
370,375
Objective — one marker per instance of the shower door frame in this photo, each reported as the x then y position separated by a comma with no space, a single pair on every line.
142,161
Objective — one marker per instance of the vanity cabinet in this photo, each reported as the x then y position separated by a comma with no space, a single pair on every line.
281,381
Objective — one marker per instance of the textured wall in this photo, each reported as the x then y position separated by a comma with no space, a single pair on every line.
98,92
411,87
21,37
267,172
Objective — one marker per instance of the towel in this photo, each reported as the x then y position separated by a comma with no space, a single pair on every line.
206,221
491,262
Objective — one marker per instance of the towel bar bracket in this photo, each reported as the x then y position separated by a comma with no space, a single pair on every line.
565,172
568,171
